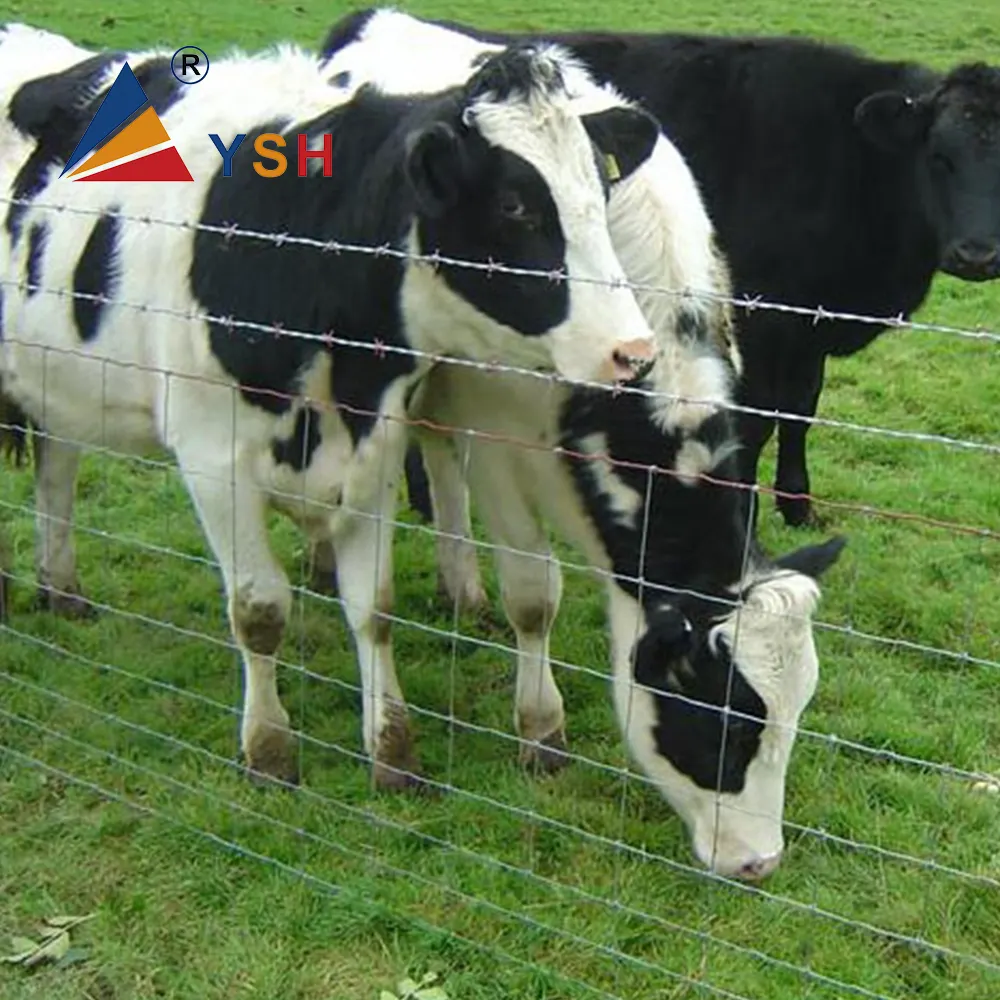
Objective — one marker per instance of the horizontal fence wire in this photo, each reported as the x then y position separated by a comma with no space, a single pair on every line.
437,259
460,724
614,844
330,338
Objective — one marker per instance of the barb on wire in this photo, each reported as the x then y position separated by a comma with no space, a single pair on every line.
329,339
748,303
535,816
494,437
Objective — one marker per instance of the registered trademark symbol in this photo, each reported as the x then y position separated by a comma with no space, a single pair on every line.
189,64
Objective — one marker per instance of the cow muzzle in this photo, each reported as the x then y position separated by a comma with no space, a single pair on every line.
626,361
972,260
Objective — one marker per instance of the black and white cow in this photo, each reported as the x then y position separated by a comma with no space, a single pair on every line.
132,335
26,53
833,179
650,253
640,486
713,656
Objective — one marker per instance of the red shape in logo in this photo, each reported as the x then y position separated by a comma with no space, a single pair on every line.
163,165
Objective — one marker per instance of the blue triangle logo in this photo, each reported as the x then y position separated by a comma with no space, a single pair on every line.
122,101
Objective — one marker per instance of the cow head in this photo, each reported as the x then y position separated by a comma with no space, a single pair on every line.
512,176
723,770
954,133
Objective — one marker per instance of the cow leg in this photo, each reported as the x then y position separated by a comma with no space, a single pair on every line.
801,397
754,433
232,511
363,549
531,589
322,567
56,465
458,568
417,486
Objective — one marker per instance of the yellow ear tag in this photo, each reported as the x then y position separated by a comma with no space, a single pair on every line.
611,165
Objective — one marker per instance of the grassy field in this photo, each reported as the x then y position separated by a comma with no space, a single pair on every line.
571,887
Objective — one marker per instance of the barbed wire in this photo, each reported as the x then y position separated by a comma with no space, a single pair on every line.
748,303
330,339
607,575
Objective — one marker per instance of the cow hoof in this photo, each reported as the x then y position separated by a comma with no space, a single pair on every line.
400,778
396,767
272,759
547,755
801,514
261,779
70,604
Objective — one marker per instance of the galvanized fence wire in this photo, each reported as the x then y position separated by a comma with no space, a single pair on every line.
619,845
453,636
293,871
378,820
116,720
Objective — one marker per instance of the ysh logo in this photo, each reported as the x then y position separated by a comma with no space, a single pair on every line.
126,140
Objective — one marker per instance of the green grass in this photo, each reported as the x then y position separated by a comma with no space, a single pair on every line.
516,907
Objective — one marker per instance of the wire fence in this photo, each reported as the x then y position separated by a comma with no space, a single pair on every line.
585,877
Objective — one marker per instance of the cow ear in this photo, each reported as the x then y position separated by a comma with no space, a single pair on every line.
58,101
433,167
891,120
625,138
668,638
813,560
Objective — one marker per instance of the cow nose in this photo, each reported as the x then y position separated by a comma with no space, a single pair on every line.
626,360
759,868
975,258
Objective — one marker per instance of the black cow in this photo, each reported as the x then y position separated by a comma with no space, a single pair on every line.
833,179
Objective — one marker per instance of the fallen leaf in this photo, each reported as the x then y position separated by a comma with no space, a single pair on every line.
407,989
55,948
66,921
22,948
